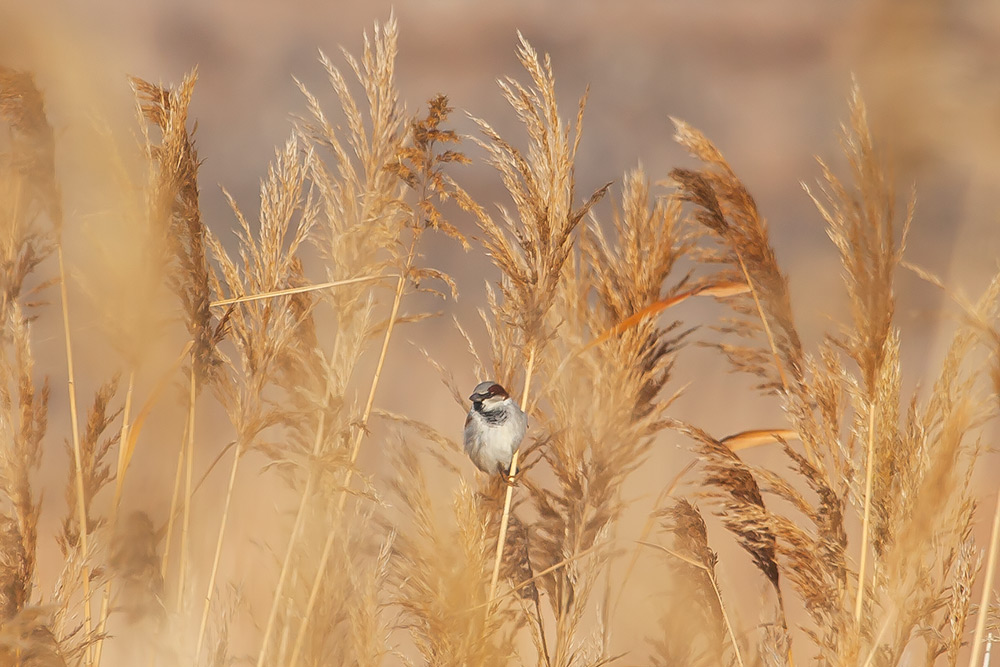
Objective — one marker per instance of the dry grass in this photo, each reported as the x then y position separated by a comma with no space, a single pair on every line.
860,527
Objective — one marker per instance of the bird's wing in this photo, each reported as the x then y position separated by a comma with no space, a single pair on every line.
470,435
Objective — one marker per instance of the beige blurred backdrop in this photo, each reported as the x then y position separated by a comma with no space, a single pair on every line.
767,81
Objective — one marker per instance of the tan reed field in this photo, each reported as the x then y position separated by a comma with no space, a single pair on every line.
242,487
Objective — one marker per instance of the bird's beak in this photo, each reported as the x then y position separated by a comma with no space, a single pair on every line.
477,397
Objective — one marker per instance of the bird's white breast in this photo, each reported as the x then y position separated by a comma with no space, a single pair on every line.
491,445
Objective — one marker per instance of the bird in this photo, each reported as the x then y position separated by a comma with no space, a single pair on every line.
494,428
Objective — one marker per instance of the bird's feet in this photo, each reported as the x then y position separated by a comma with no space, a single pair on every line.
511,480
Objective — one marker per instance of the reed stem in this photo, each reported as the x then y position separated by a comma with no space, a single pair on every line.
984,602
119,483
237,455
296,528
866,521
81,497
505,518
355,450
188,478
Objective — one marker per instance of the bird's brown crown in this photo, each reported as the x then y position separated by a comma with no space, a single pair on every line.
488,389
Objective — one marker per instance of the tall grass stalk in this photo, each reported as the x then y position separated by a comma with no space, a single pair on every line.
355,450
175,501
294,290
182,561
290,548
505,517
123,439
867,515
984,600
81,502
213,573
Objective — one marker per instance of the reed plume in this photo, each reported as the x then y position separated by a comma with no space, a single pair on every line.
531,249
848,420
31,220
694,629
859,522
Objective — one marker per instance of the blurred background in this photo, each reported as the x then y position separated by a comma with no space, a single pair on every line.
768,82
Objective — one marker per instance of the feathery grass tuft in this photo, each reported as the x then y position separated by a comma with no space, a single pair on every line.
280,361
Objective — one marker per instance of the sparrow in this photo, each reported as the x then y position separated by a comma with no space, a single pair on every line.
494,428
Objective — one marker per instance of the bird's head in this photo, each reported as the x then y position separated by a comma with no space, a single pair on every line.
488,395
